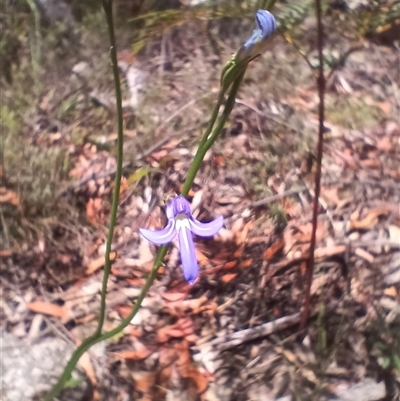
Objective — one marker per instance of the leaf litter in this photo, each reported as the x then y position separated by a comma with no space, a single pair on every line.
234,334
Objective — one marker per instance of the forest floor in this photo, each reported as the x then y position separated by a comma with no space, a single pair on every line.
234,334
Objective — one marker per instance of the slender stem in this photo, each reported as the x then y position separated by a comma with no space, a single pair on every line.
96,337
317,190
107,6
210,136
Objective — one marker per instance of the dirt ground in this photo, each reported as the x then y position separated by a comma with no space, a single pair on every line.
234,334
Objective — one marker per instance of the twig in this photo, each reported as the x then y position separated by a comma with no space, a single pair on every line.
321,112
253,333
274,198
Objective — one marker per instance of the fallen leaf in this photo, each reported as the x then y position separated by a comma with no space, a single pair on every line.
226,278
123,310
98,263
272,250
174,296
137,355
391,292
49,309
239,252
143,380
5,253
135,282
367,222
246,263
230,265
8,196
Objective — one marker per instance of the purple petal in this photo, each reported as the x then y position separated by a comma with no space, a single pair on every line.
178,205
265,22
265,27
206,229
188,254
160,237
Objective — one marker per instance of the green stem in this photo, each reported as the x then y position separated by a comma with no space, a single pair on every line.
96,337
107,6
210,136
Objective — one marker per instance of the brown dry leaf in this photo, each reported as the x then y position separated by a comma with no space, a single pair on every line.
135,282
180,329
230,265
174,296
226,278
96,264
200,381
123,310
8,196
143,381
372,163
241,236
275,248
246,263
137,355
239,252
5,253
49,309
369,221
93,210
187,370
391,292
184,306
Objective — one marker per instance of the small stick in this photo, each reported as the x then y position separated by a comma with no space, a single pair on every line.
321,112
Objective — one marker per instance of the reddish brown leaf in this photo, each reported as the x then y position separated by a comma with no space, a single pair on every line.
246,263
174,296
8,196
137,355
49,309
98,263
229,277
276,247
230,265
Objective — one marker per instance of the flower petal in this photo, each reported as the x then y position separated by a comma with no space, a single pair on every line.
255,45
265,22
206,229
160,237
188,254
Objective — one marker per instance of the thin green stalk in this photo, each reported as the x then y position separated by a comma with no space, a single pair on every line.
36,47
266,4
107,6
210,137
96,337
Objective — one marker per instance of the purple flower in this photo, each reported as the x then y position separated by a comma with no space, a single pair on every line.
254,46
182,223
